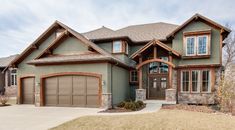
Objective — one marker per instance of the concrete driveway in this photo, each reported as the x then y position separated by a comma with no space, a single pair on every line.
29,117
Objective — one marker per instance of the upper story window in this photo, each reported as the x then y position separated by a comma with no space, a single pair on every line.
120,46
191,45
197,45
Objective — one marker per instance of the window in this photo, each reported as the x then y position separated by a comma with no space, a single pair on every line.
202,45
13,77
197,45
133,76
190,46
185,81
158,67
205,81
163,67
154,67
195,81
117,46
120,47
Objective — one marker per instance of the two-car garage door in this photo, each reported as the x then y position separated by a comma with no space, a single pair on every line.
71,90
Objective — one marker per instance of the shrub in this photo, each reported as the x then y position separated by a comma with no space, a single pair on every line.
130,106
4,99
137,105
121,104
141,103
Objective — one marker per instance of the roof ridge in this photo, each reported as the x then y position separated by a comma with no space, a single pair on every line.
147,24
103,27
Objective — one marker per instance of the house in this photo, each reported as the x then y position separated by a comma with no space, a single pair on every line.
103,67
8,78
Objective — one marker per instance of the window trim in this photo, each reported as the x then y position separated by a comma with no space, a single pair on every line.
195,45
196,36
13,81
123,48
209,81
136,76
207,45
181,81
199,81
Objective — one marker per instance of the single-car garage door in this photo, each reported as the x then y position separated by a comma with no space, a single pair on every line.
72,90
27,90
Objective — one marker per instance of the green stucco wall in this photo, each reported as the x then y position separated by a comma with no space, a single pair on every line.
70,46
107,46
100,68
120,84
215,44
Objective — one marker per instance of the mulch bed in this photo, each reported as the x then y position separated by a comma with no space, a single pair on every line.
195,108
5,105
119,109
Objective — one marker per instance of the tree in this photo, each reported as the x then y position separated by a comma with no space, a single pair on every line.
229,49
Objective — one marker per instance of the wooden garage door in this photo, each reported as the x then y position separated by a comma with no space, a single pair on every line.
72,91
28,90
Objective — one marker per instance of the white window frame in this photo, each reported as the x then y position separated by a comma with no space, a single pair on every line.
209,81
120,45
186,45
14,79
198,83
207,46
181,88
196,45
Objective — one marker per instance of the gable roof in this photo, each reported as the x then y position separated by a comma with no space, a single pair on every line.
136,33
5,61
75,34
198,17
35,44
154,42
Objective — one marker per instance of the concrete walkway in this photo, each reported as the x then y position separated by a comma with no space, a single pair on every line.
151,106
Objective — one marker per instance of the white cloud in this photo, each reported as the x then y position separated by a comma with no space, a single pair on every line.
22,21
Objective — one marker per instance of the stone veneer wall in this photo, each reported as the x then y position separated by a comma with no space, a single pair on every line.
171,93
201,98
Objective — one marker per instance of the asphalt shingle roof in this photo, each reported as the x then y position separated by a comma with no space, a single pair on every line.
5,61
137,33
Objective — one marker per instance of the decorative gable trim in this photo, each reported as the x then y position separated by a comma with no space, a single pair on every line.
33,46
197,17
152,43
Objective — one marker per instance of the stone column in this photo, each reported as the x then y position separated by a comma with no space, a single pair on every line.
140,94
106,100
170,94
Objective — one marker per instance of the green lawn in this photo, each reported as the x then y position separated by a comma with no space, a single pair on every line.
161,120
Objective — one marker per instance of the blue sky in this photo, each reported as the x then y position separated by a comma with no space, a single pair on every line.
22,21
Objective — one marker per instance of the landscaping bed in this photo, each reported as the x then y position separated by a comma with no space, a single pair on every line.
195,108
126,106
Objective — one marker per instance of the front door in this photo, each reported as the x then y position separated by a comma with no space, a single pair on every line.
157,86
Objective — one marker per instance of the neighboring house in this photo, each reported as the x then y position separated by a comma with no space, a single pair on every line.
8,76
103,67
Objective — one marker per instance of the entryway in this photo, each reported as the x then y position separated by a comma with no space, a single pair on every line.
157,85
